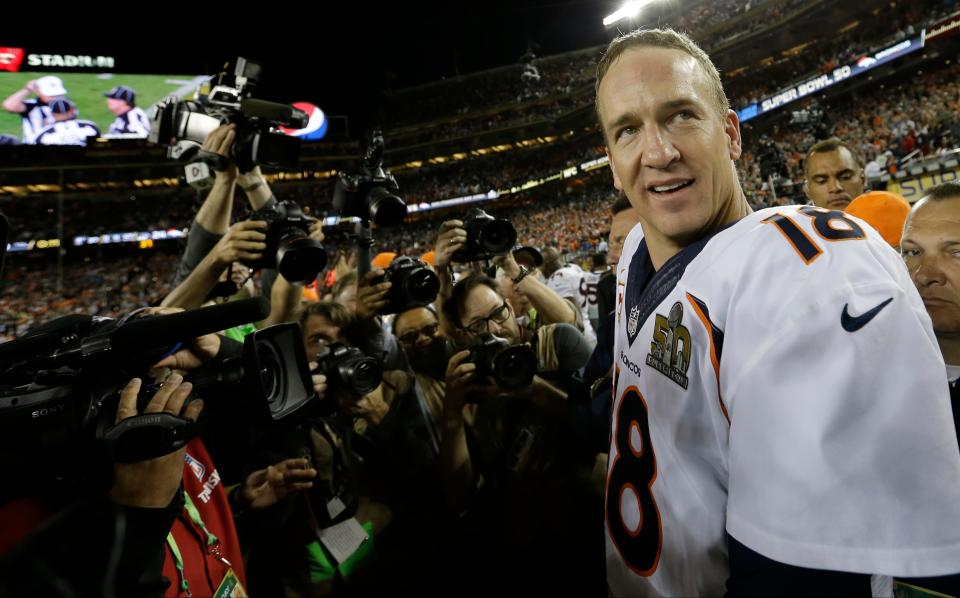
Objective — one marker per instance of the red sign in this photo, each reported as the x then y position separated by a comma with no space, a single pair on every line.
10,59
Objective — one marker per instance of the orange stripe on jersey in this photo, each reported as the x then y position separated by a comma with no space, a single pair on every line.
695,303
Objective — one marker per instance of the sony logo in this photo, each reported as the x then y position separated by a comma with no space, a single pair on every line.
47,411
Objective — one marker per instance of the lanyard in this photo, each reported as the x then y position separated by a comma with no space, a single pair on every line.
213,543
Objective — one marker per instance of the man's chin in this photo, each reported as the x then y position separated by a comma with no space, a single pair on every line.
838,204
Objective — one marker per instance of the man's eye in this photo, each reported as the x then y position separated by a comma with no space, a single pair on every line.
910,252
626,131
683,115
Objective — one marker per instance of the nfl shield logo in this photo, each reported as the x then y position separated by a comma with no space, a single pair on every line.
633,321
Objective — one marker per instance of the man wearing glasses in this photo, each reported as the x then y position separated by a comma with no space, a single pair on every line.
516,474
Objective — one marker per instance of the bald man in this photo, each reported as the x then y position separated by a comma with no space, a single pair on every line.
931,250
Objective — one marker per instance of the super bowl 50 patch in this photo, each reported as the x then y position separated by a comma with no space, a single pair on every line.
670,348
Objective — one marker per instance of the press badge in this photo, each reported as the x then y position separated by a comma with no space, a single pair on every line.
335,506
343,539
230,587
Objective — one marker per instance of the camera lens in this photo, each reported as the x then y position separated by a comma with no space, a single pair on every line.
422,286
498,237
363,375
299,258
270,371
386,209
514,367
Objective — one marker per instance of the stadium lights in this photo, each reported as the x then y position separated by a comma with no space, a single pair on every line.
629,10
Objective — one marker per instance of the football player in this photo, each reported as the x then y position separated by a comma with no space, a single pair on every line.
780,418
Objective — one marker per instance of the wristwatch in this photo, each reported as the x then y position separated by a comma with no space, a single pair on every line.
523,273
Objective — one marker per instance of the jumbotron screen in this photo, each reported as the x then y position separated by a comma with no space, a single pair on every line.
71,108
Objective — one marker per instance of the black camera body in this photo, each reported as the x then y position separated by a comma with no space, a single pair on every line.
290,250
348,370
486,237
414,285
370,193
511,367
183,125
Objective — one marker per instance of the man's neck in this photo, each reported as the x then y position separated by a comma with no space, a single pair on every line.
662,248
950,347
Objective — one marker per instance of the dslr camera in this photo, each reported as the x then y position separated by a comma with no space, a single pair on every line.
486,237
183,125
370,193
290,250
414,285
510,367
348,370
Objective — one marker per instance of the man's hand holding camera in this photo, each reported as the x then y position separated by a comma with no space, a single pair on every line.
243,241
452,237
153,483
218,143
371,298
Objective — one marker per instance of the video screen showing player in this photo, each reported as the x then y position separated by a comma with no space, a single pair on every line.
108,105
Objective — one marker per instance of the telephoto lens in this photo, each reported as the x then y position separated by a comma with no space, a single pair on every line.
509,366
487,237
414,285
348,370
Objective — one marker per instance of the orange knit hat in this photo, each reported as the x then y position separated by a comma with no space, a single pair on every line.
884,211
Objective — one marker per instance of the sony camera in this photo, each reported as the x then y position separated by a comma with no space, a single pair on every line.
289,247
414,285
183,125
60,386
509,366
486,237
370,193
348,370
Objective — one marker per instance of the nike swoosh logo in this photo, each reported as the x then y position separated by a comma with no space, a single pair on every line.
854,323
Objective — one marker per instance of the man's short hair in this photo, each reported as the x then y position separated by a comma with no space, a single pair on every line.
337,314
662,38
347,279
943,191
461,290
829,145
621,205
396,318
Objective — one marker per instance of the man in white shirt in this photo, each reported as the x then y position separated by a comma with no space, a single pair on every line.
780,423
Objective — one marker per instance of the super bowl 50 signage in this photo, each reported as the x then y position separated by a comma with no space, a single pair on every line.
11,59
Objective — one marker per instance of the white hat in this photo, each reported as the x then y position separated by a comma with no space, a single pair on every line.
51,86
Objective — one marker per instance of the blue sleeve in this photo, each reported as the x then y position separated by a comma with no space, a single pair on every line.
752,574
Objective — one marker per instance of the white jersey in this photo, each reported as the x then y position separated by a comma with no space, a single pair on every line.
132,123
780,382
68,132
36,116
588,291
568,283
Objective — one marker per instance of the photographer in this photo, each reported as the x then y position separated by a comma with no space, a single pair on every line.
211,259
549,305
375,457
506,470
202,554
